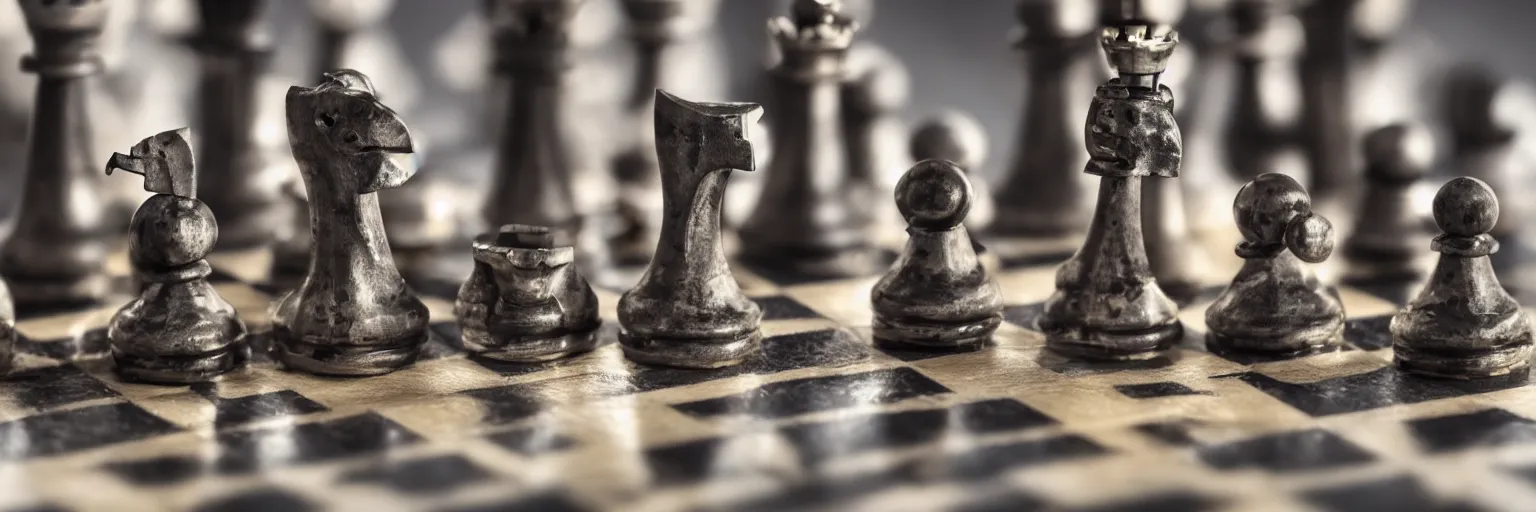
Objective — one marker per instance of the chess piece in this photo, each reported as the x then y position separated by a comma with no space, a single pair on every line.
179,330
1386,244
687,310
1463,325
1275,304
524,302
242,179
536,166
873,95
938,294
958,137
1261,130
807,222
1107,305
56,253
1040,194
353,315
1478,108
8,334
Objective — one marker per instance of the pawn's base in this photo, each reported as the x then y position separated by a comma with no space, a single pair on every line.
690,353
936,335
534,350
180,370
1319,339
346,360
1086,343
1464,365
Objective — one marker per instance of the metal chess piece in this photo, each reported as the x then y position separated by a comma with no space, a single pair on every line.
687,310
938,294
1387,242
57,251
179,330
1275,304
1107,305
807,221
1463,325
958,137
1478,109
354,314
524,302
242,178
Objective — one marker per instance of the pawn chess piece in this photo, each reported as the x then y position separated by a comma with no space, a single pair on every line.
1386,245
1478,106
1463,325
687,310
1107,305
524,302
938,294
348,146
8,335
1276,305
958,137
179,330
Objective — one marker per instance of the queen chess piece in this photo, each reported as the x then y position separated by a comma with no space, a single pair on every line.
524,301
937,294
1276,305
348,146
1107,305
1463,325
179,330
687,310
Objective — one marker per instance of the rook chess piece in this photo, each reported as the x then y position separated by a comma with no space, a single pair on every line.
354,314
1275,304
1386,244
938,294
1463,325
958,137
1107,304
524,302
687,310
179,330
56,253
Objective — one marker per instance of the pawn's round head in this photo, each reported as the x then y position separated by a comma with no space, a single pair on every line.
953,135
1398,153
934,195
170,231
1466,207
1265,207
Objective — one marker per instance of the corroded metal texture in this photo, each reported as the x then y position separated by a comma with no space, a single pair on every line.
524,301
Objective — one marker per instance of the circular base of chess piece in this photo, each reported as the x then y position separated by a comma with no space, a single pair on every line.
936,335
1094,345
535,350
1464,365
691,353
347,361
180,370
1310,340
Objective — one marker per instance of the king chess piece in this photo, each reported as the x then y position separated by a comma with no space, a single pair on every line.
348,146
179,330
524,301
1276,305
1107,305
1463,325
687,310
938,294
57,252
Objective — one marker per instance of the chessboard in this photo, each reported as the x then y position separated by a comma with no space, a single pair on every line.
821,419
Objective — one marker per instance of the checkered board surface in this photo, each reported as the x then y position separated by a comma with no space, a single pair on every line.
821,420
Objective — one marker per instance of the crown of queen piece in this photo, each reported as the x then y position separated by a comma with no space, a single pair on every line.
814,25
1139,49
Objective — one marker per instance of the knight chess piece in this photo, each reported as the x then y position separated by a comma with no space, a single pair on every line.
1275,304
938,294
687,310
524,302
1478,107
57,251
242,179
806,222
958,137
1463,325
1107,305
348,146
179,330
1386,244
